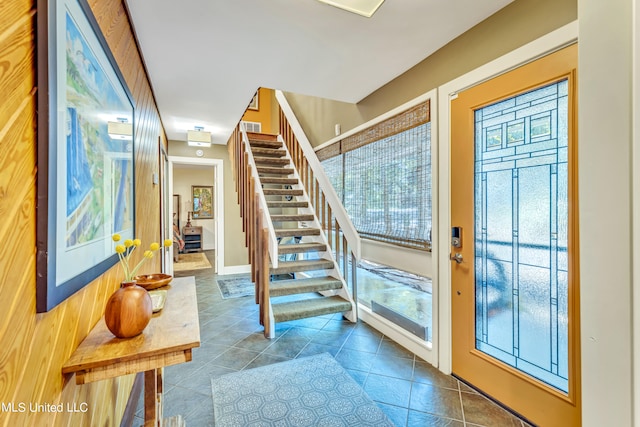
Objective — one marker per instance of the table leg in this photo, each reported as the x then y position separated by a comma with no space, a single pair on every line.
153,398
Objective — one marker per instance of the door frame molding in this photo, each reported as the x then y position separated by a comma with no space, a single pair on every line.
218,167
548,43
636,205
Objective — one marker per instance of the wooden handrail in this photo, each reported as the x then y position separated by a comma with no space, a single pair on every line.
260,237
246,171
262,205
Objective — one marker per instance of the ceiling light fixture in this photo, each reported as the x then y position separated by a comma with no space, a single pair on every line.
199,137
361,7
121,130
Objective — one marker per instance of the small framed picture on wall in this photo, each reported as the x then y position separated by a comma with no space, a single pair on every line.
254,102
202,196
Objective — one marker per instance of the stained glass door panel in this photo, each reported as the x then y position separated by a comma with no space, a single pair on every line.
521,232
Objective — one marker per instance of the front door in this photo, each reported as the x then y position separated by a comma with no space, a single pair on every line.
515,313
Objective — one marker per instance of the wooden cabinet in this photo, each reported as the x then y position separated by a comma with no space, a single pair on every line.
192,239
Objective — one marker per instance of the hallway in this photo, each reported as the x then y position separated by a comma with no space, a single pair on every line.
409,390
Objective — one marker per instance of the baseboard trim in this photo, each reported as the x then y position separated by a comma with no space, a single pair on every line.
235,269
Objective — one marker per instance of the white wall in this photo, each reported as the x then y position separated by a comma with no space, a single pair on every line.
605,152
183,179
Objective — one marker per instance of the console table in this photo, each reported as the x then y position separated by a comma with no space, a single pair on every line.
192,239
167,340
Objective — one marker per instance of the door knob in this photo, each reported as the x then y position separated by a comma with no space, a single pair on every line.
457,257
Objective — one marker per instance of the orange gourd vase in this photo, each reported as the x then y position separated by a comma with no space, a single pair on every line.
128,310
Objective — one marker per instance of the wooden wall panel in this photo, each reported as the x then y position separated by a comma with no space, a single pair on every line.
33,347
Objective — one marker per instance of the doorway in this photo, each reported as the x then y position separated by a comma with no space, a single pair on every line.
213,235
514,306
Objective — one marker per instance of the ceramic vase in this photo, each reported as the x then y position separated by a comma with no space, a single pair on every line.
128,310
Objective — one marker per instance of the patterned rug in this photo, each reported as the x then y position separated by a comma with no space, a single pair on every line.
310,391
192,261
236,287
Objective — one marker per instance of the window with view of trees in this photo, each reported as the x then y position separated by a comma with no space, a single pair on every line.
383,178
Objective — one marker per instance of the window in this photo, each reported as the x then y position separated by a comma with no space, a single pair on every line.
385,181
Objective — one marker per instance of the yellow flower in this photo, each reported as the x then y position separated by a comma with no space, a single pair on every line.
125,250
168,242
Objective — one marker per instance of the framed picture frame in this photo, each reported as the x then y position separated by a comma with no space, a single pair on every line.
254,102
85,190
202,197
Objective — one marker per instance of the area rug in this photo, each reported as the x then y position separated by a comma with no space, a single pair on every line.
192,261
310,391
236,287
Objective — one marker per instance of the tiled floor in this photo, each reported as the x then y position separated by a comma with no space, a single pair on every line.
409,390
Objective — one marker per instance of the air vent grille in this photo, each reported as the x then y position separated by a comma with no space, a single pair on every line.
255,127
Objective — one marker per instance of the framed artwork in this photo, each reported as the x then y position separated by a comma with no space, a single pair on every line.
254,102
85,152
202,196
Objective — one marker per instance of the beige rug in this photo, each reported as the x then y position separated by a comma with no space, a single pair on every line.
192,261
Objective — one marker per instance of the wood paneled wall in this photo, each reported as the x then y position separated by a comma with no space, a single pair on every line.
33,346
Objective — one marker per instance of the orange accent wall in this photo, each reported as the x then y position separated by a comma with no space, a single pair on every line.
33,347
264,113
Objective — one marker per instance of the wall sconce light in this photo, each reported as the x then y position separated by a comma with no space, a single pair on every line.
199,137
121,130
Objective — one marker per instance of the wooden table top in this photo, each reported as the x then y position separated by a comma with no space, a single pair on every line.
173,330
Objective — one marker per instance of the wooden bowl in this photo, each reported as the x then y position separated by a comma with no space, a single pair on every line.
153,281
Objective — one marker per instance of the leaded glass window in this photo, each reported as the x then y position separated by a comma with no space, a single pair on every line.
521,270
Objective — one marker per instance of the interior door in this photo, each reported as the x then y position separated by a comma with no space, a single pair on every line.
514,267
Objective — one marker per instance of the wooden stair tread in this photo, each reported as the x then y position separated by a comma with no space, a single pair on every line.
262,136
264,143
282,192
279,288
292,232
285,204
274,171
297,248
278,180
271,152
270,161
286,267
302,309
295,217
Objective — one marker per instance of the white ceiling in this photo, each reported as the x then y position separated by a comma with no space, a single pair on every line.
206,58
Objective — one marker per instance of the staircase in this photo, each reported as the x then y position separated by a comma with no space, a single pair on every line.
314,286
